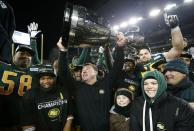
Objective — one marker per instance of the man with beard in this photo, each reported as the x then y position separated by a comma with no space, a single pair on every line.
178,45
16,80
130,76
23,57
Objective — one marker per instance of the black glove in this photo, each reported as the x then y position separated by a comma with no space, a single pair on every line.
173,21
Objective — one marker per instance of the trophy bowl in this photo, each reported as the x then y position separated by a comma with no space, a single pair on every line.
86,28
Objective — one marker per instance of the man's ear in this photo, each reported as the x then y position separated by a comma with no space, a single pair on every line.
184,75
96,73
13,58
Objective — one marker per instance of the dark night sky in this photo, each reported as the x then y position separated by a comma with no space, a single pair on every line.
49,15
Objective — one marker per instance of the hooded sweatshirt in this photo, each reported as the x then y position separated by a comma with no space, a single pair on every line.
162,85
163,113
161,88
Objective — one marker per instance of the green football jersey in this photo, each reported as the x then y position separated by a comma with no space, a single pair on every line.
149,66
14,80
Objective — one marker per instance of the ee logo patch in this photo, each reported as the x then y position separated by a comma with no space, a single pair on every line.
53,112
160,127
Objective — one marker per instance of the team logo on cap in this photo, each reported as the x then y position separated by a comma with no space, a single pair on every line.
101,91
46,69
53,112
131,88
160,127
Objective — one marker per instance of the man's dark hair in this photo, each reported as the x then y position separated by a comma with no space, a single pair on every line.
143,47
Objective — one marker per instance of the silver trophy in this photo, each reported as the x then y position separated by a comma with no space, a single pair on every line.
86,28
133,36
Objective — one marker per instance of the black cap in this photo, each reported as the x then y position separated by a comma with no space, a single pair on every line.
77,67
158,63
46,70
25,48
125,92
129,59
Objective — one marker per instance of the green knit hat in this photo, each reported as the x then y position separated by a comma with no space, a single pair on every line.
162,84
177,65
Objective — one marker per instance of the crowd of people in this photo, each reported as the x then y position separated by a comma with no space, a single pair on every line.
115,92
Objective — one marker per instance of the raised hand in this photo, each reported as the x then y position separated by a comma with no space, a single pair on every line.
60,45
171,20
121,39
33,29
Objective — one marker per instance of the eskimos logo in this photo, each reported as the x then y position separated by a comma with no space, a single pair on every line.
54,113
160,126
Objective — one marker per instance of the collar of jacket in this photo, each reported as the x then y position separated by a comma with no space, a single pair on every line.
184,84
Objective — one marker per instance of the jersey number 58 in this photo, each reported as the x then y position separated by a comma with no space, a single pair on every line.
25,81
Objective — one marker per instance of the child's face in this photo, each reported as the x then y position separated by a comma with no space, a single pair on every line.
122,100
151,87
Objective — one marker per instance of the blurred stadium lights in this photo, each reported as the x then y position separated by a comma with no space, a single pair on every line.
139,18
116,28
134,20
123,24
188,1
154,12
169,7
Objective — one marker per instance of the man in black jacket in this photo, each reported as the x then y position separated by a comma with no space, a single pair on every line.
7,26
92,96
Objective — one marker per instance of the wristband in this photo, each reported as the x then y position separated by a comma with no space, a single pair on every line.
30,129
175,29
70,118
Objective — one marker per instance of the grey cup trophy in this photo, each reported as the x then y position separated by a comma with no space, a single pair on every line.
86,28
